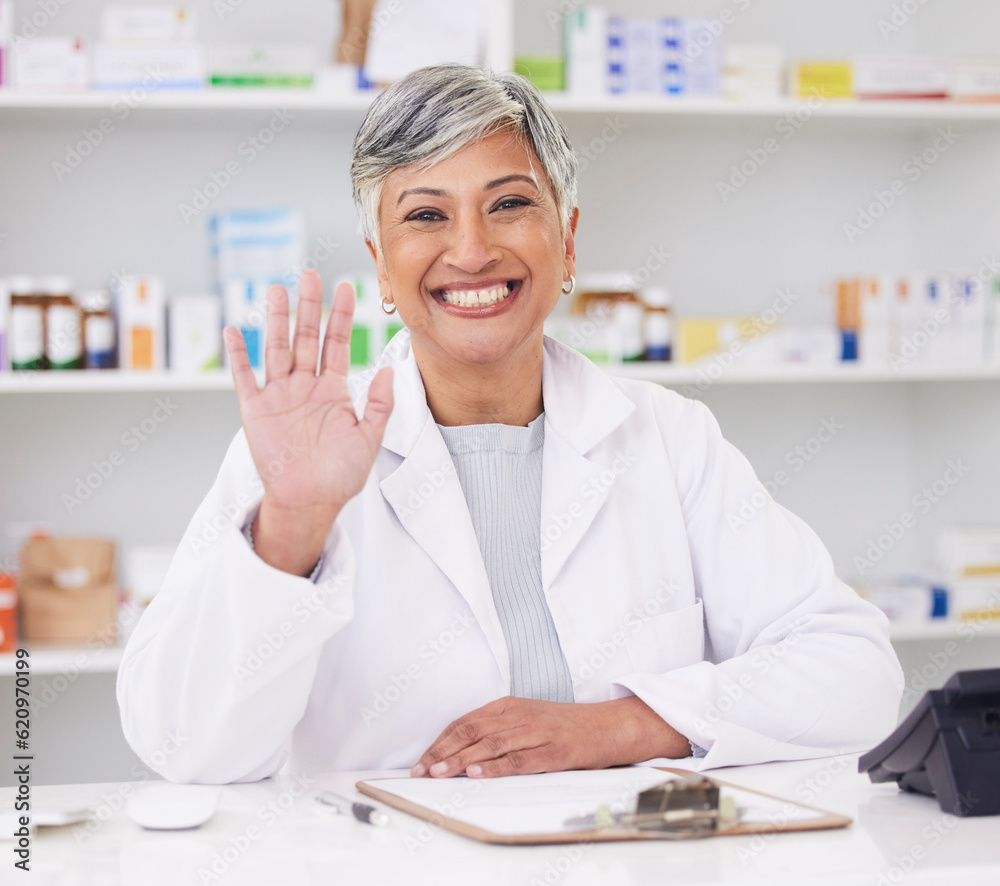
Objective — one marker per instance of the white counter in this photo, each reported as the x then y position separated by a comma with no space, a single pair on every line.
292,840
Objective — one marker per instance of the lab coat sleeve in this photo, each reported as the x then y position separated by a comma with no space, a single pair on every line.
797,664
219,668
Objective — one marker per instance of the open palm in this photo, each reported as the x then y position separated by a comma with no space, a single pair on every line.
312,452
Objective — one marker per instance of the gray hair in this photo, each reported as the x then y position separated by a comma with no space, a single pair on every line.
436,111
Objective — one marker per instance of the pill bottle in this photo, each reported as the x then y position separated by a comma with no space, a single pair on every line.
99,346
27,324
601,331
628,326
63,324
658,324
4,314
8,612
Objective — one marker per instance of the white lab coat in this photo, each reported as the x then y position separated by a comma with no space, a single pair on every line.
736,632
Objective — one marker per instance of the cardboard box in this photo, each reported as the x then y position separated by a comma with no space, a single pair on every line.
141,309
827,79
261,65
130,24
901,78
50,63
152,67
976,81
194,337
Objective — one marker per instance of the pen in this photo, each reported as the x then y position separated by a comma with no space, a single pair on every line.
361,811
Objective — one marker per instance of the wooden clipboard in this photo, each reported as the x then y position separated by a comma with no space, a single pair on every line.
819,820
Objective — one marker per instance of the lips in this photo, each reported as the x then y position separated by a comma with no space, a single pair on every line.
484,301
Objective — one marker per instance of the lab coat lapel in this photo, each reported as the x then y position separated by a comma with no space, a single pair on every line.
427,498
582,407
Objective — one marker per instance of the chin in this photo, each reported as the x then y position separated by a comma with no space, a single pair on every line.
487,350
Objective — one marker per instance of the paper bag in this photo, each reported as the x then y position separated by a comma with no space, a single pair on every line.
68,590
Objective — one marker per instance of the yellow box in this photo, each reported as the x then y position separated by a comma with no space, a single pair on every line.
701,337
823,79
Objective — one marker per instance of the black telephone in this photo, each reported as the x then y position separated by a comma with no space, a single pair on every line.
948,746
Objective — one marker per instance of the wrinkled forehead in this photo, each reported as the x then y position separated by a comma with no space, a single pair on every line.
502,156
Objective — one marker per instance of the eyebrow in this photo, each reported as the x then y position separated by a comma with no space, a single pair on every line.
496,183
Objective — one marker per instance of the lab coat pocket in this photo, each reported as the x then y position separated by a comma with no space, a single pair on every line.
668,641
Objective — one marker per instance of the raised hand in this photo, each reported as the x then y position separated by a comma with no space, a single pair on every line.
311,451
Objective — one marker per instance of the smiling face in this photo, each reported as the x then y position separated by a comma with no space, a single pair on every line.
473,252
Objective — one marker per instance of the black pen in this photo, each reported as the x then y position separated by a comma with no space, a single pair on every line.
361,811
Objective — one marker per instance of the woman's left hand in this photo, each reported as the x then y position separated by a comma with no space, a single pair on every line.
518,736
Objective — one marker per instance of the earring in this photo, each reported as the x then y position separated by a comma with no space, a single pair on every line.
382,305
572,285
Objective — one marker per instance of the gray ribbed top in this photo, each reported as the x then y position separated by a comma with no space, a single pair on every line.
500,469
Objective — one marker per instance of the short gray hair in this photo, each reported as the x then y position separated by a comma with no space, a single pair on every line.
434,112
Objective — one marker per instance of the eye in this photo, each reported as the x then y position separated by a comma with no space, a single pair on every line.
512,203
425,215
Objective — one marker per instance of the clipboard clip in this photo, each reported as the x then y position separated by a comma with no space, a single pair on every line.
683,808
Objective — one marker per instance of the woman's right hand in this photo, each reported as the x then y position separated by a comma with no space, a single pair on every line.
311,451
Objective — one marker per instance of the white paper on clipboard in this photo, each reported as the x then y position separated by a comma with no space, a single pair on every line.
409,34
541,804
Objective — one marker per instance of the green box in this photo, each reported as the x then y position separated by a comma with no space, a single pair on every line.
547,72
359,346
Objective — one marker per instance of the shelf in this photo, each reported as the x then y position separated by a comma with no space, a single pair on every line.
845,109
222,99
943,630
700,375
47,659
706,374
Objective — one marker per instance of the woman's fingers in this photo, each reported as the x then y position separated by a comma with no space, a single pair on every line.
243,377
307,321
277,356
337,341
378,408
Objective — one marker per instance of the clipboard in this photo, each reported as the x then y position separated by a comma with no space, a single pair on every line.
474,809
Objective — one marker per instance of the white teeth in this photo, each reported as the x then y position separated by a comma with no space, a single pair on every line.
468,298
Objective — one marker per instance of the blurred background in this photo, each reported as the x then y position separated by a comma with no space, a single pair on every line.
788,208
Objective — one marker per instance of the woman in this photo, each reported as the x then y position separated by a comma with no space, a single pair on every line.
490,558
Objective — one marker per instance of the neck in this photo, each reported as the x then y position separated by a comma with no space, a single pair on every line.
506,392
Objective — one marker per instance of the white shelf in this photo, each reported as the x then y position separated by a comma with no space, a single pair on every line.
944,629
115,381
310,99
843,108
49,659
212,99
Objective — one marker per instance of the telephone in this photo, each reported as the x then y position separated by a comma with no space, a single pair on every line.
948,746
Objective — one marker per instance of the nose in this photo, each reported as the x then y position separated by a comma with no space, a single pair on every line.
471,248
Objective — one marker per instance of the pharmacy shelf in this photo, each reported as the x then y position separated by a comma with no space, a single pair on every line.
47,659
354,103
943,629
50,660
700,375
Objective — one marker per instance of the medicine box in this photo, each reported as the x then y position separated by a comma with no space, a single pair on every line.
753,72
901,78
131,24
56,63
141,308
6,21
149,67
257,243
245,307
976,81
194,337
699,338
585,49
261,65
826,79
